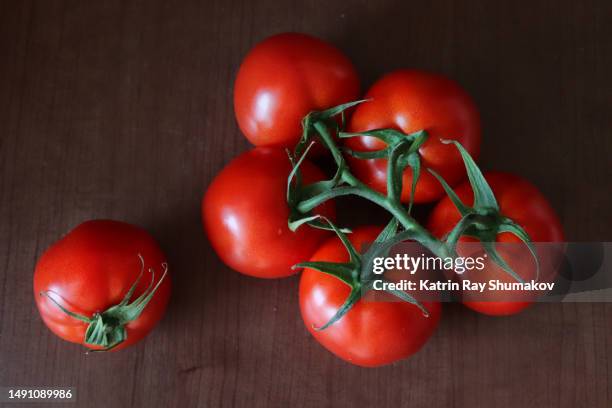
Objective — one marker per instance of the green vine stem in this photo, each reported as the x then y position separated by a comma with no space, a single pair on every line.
391,202
482,221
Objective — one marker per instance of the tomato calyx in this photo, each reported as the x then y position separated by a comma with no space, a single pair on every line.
107,329
357,273
402,151
312,125
483,220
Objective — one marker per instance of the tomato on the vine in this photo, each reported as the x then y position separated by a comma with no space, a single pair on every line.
408,101
285,77
88,274
245,215
523,203
373,332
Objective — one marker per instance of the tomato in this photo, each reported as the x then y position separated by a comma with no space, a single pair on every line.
372,333
285,77
522,202
245,215
411,100
91,269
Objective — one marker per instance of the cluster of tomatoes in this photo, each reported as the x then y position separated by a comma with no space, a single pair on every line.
246,209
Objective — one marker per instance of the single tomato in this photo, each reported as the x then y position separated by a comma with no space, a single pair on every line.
408,101
245,215
373,332
523,203
89,272
285,77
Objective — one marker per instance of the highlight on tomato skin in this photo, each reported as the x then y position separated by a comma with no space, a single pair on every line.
372,333
411,100
522,202
245,215
91,269
282,79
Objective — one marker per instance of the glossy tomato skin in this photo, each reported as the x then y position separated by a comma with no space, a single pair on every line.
285,77
372,333
519,200
412,100
91,269
245,215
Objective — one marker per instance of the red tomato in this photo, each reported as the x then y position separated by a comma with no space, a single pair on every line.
91,269
522,202
245,215
372,333
410,100
285,77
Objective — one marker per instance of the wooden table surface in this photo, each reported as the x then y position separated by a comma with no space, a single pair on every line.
123,109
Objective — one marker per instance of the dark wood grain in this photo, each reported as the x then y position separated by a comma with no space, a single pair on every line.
117,109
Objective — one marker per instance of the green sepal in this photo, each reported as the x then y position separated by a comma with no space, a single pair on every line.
297,193
130,292
462,208
310,121
406,298
63,309
489,247
484,199
368,155
413,160
458,231
355,258
385,235
342,271
132,312
395,169
353,297
313,221
510,226
388,232
389,136
294,180
334,111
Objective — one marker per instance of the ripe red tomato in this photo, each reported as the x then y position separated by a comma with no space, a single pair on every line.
522,202
285,77
91,269
372,333
411,100
245,215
